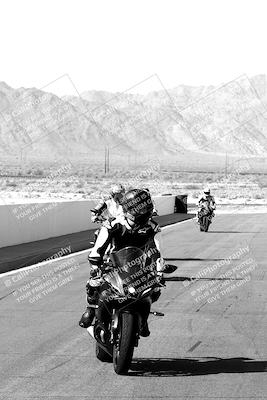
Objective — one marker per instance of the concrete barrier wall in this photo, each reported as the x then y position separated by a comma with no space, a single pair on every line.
23,223
164,204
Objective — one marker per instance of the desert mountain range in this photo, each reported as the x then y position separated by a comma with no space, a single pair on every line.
231,118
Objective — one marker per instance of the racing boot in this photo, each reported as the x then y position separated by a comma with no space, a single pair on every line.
89,314
144,331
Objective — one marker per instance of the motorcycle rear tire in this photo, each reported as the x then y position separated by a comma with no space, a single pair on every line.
124,347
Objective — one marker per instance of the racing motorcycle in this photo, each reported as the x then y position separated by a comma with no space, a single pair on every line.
128,280
205,215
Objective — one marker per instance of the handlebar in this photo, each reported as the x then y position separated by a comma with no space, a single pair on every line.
98,218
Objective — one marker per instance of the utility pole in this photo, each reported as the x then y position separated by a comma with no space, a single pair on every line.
106,159
226,165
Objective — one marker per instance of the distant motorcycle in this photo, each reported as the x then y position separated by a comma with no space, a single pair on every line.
128,280
205,215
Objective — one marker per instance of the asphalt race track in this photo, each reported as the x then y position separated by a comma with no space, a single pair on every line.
26,254
211,343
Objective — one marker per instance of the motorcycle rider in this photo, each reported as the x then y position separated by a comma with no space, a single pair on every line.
135,229
206,199
109,208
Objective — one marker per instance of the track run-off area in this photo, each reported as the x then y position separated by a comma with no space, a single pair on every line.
211,343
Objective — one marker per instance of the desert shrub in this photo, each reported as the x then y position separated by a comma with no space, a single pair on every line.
262,182
80,185
191,186
168,177
221,193
259,196
39,172
11,184
220,178
94,188
233,196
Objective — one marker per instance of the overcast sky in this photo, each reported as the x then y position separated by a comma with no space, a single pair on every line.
115,44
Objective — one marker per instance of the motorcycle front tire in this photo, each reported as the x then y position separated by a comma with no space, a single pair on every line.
206,224
124,347
201,224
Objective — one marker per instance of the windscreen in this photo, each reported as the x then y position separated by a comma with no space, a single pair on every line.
132,266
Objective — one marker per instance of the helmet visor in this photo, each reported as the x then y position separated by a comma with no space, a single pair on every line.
140,220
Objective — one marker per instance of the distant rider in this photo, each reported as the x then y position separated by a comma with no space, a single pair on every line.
135,229
207,200
109,208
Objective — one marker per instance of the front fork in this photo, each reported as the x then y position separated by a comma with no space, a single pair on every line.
115,326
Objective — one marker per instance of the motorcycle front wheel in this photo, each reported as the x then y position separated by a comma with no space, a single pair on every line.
206,224
124,345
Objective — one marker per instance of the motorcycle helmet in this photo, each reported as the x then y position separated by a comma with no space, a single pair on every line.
207,190
117,192
137,207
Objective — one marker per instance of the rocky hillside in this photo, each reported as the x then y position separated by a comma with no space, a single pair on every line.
208,120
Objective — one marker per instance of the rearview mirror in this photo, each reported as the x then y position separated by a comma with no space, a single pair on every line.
169,268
